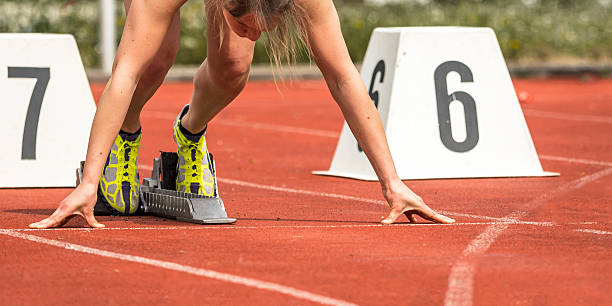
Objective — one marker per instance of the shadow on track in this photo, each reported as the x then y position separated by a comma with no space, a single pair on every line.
32,211
306,220
153,220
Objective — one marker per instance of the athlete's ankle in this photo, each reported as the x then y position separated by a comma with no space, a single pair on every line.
191,127
130,136
131,128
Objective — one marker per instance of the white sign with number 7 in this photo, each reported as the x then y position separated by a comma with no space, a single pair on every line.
448,107
46,110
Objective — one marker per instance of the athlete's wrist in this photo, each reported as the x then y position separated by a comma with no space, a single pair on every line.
88,186
391,185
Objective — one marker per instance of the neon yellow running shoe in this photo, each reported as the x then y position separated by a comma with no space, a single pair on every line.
119,188
195,172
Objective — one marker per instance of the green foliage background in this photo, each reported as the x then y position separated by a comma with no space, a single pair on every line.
528,30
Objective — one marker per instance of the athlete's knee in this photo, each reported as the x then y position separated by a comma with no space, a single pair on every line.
164,59
230,74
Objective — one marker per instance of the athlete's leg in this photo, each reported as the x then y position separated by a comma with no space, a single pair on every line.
218,81
223,74
153,77
119,186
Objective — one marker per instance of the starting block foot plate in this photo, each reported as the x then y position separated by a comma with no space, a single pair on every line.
187,207
158,197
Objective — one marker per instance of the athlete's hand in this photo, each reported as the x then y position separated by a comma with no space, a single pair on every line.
78,203
404,201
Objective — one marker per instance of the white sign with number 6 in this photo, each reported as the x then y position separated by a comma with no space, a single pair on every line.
46,110
447,104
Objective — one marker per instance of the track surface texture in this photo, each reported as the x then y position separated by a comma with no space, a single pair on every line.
305,239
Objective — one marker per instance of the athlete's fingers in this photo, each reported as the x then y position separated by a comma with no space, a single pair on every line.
45,223
58,216
393,215
36,224
433,216
42,223
91,220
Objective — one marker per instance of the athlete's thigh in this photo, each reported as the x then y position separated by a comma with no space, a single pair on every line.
172,38
233,49
143,34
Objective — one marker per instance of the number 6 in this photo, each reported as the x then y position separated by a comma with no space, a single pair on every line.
444,100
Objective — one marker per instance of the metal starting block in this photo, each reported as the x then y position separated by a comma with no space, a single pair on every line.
158,196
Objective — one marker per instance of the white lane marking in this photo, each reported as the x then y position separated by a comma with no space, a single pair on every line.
245,281
259,227
496,219
592,231
566,116
253,125
577,160
225,227
582,223
299,191
461,278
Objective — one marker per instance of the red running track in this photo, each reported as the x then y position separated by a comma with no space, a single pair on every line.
303,239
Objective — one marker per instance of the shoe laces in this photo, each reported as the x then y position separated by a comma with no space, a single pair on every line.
194,163
128,158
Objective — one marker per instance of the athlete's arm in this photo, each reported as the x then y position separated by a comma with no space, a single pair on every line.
146,25
344,82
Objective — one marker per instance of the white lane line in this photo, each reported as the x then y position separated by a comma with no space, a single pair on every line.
496,219
577,160
592,231
299,191
225,277
461,278
565,116
260,227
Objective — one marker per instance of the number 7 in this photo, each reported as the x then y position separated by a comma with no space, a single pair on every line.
42,75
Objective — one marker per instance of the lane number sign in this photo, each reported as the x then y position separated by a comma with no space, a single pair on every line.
42,76
447,104
46,110
444,100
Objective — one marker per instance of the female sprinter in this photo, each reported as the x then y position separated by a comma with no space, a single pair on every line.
146,52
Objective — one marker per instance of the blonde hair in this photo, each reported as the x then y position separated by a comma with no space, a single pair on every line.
288,40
